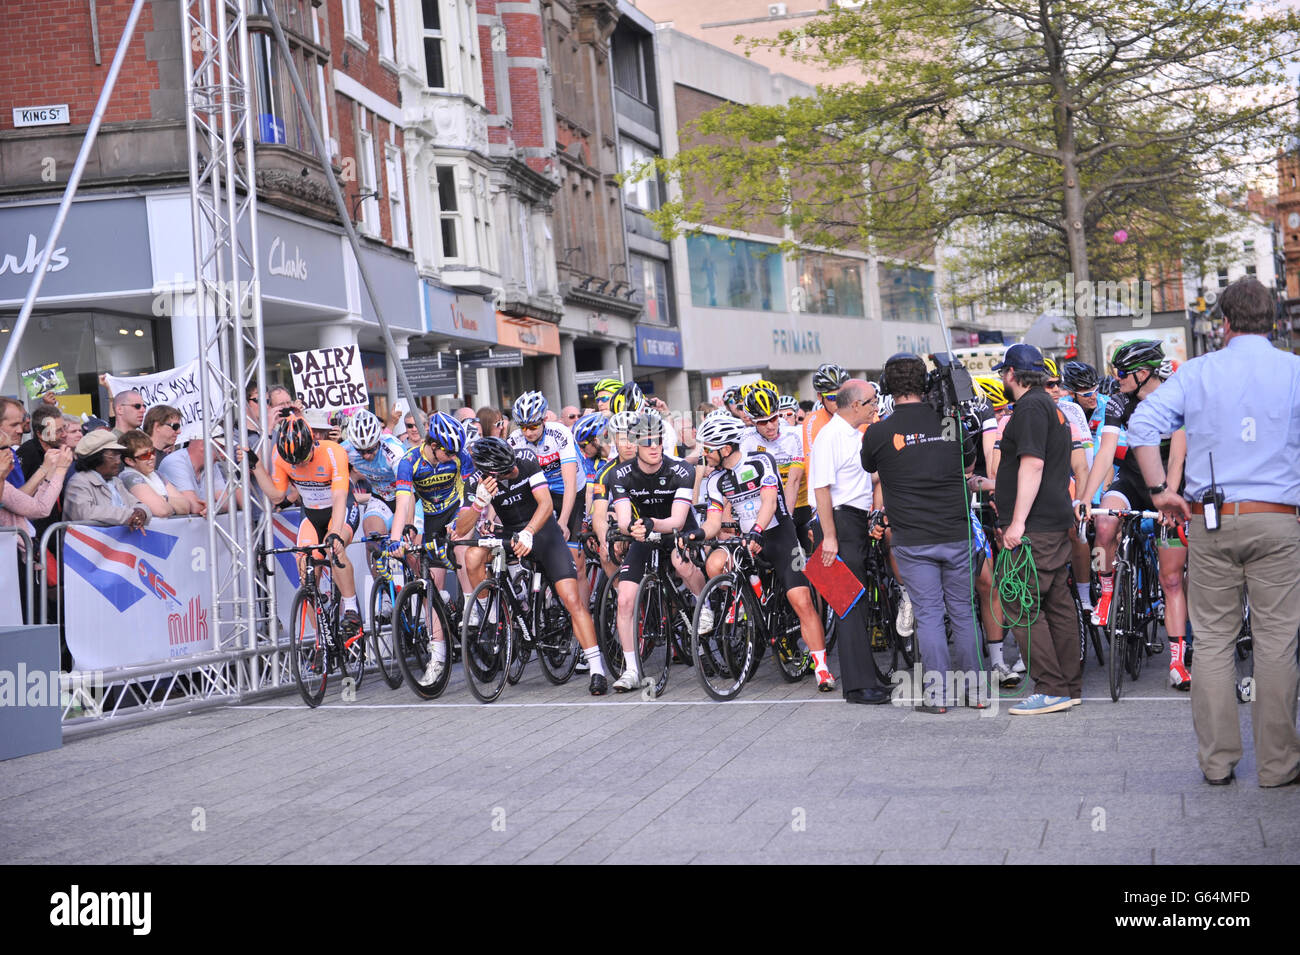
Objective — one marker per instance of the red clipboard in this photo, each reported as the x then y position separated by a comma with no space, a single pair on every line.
837,584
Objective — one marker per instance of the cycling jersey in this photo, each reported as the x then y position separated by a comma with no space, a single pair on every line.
602,486
438,487
553,450
653,494
381,470
1118,411
1080,434
590,467
514,502
317,479
787,449
741,487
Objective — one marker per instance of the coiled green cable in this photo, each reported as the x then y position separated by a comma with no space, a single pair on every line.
1016,578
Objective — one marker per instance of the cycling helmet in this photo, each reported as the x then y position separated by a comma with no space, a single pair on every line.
627,398
754,385
606,387
1052,370
786,403
885,407
1109,385
1079,376
529,408
761,403
473,429
1138,353
446,432
619,423
589,427
493,456
731,397
295,442
828,378
719,430
645,424
364,431
993,390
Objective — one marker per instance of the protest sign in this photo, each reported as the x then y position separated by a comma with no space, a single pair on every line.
329,378
44,379
178,387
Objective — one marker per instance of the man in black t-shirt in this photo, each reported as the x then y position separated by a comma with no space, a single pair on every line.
1032,494
918,457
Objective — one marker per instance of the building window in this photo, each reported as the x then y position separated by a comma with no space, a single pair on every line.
448,209
644,194
483,222
1223,277
734,274
906,295
396,195
629,65
434,73
352,18
831,285
384,27
471,74
279,119
366,167
650,277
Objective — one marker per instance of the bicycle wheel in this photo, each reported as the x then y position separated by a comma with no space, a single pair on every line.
383,643
421,619
307,651
888,649
486,644
791,662
724,655
607,628
653,633
352,656
557,647
1121,615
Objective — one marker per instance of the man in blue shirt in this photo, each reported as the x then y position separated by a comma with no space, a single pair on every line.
1240,405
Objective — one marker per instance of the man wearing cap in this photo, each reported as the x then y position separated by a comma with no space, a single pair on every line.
93,493
1032,497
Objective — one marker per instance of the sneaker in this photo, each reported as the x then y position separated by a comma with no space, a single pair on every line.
1101,612
582,666
1040,703
825,682
628,682
1007,676
706,620
432,672
1076,701
906,622
1019,667
351,627
1179,678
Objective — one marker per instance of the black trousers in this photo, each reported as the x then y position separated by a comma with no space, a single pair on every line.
857,670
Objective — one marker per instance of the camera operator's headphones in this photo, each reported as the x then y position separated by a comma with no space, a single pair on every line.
900,356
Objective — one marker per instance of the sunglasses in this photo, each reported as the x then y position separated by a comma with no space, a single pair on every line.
174,425
834,397
1087,394
410,426
147,456
766,420
649,442
138,406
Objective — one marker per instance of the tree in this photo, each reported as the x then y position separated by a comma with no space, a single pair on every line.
1023,134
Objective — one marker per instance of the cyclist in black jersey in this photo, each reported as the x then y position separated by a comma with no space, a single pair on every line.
625,450
513,485
749,486
650,493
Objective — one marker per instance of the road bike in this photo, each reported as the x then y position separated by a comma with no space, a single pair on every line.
1136,604
422,618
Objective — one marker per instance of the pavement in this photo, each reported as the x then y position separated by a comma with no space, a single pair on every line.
548,774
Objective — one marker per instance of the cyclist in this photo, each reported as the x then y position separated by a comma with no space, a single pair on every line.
1141,367
786,446
750,484
374,455
604,392
789,411
514,486
731,402
650,493
589,434
318,470
625,450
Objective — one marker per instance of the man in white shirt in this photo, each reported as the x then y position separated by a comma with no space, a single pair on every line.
843,494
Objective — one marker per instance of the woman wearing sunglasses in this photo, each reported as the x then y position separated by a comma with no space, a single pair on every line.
162,424
140,476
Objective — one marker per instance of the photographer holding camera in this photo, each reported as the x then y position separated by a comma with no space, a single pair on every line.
918,455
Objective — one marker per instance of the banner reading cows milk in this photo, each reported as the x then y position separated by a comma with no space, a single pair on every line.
179,388
329,378
136,596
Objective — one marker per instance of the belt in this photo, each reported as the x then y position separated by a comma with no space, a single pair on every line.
1249,507
855,510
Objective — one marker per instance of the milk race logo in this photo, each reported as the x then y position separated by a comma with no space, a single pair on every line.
77,908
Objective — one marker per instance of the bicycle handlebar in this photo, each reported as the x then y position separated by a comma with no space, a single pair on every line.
1120,512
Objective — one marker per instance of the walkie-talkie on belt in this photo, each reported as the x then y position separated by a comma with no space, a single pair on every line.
1212,501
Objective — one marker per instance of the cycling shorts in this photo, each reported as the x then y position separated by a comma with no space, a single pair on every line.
779,546
638,553
1137,499
376,507
550,552
316,521
576,516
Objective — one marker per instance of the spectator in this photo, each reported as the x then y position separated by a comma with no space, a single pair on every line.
185,473
162,424
18,506
95,424
1032,493
920,466
128,411
410,432
464,414
569,415
47,427
843,493
1238,404
492,422
140,476
94,493
70,433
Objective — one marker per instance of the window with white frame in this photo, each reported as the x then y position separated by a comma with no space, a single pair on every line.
366,167
449,212
396,194
643,194
470,71
483,222
435,72
352,18
384,27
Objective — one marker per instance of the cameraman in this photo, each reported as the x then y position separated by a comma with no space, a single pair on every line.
918,457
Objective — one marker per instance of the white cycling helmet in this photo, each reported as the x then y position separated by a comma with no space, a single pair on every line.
886,406
529,408
620,423
364,430
718,430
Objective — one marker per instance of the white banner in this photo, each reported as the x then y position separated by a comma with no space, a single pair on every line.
134,597
329,378
11,611
179,388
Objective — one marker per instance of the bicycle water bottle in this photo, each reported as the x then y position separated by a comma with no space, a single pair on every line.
757,584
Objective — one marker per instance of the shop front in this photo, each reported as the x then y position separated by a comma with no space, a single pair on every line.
461,322
659,366
539,342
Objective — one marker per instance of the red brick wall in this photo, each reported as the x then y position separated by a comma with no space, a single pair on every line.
47,56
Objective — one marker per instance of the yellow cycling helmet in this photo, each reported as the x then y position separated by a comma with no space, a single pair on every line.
1050,365
762,403
761,383
993,390
606,387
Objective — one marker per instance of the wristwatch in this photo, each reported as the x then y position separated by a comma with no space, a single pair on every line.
1158,489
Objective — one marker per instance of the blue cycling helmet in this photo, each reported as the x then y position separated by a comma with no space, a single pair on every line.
589,427
529,408
446,432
